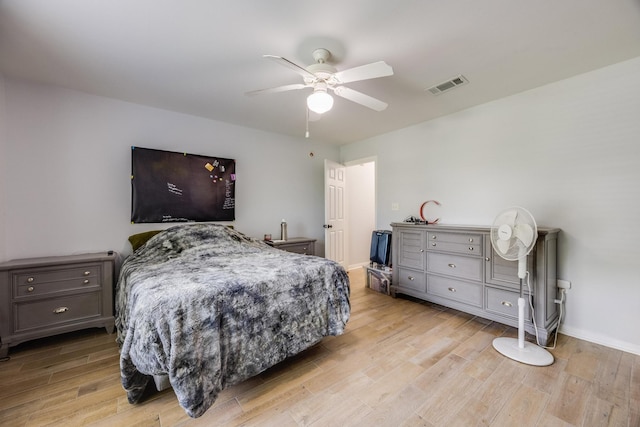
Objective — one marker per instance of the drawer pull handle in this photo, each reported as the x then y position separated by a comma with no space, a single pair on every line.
86,281
411,278
433,244
86,273
452,266
470,248
451,289
487,259
421,250
433,237
60,310
30,279
30,289
471,240
506,304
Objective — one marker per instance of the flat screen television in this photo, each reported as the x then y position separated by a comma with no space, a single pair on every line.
169,186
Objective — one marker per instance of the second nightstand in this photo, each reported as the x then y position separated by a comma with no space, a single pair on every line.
299,245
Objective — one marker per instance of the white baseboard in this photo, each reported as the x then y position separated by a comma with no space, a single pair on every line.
357,266
600,339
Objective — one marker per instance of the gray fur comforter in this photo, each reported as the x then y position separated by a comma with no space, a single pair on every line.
211,307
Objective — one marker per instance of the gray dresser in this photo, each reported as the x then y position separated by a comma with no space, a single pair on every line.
40,297
456,266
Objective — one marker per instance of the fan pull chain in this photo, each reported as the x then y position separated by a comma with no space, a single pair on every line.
306,134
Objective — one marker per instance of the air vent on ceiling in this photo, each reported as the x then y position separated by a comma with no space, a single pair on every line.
448,85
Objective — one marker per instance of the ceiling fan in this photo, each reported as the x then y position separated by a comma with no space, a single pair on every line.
322,77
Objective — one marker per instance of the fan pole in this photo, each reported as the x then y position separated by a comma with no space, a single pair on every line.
521,318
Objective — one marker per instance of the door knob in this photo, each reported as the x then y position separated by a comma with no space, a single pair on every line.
327,226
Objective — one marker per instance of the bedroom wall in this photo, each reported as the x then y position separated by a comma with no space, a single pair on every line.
569,152
69,165
3,168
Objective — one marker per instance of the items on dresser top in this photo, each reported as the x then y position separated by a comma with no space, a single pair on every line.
455,266
40,297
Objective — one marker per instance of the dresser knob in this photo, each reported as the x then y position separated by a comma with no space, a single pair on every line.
30,289
433,244
411,278
451,289
433,237
422,250
86,273
487,259
30,279
470,248
60,310
452,266
471,240
506,304
86,281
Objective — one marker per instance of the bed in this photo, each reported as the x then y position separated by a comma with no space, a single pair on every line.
208,307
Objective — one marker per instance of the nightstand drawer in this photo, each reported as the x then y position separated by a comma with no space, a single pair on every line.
455,266
299,248
51,312
46,281
298,245
468,293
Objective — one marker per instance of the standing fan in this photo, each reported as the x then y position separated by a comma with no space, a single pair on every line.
513,235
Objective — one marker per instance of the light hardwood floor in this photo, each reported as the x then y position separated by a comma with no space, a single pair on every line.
400,363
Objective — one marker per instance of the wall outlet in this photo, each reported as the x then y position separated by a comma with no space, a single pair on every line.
564,284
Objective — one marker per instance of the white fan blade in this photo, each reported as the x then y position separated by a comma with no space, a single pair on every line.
364,72
503,245
285,88
507,217
295,67
524,232
360,98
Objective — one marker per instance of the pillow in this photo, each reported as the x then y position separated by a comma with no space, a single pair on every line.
140,239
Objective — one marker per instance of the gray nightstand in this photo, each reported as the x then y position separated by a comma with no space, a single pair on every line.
40,297
299,245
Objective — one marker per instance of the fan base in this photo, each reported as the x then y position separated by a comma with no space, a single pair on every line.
531,354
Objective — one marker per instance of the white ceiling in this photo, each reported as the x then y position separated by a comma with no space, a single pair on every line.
200,56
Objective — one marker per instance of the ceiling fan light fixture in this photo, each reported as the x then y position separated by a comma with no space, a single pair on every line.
320,101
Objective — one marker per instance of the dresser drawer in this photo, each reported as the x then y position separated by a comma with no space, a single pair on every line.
412,279
461,243
506,303
46,281
468,293
455,266
50,312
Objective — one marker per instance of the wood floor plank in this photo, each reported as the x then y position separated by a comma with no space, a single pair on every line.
523,409
603,413
440,408
569,399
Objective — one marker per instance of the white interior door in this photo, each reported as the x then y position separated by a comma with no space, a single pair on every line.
334,212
